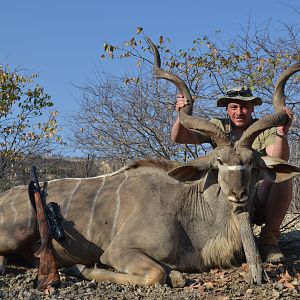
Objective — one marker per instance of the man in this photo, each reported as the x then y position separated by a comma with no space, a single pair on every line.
273,199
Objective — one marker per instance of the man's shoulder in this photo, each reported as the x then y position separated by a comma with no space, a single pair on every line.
269,132
221,122
265,139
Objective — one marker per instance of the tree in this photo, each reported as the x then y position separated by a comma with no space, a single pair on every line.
128,117
121,121
25,129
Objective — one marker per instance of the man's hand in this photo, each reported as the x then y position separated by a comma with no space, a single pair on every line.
282,130
180,102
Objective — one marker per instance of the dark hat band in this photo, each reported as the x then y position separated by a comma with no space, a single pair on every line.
224,101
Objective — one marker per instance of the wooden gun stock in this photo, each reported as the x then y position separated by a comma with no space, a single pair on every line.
48,276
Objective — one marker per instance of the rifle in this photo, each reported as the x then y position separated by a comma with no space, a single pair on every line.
48,276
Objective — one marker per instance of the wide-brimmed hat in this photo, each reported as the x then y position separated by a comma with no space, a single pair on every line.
240,94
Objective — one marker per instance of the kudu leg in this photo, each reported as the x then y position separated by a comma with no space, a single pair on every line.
250,249
136,267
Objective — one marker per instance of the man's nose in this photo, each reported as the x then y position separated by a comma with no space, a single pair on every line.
239,110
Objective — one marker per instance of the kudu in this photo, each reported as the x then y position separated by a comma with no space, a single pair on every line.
150,217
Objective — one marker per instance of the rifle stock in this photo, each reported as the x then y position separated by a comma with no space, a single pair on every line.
48,276
48,273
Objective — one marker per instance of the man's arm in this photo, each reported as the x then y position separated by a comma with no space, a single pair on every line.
182,135
280,148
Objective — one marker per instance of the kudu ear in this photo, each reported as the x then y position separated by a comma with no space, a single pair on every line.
278,170
192,170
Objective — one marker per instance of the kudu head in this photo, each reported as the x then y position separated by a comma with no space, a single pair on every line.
233,161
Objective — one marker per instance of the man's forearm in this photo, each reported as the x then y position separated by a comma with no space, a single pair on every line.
280,148
182,135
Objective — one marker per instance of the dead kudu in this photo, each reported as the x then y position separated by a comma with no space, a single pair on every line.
150,217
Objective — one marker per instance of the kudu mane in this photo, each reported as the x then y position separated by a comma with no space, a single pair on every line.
163,164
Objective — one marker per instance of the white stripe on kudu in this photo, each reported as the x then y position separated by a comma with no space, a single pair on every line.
117,207
13,205
93,209
30,213
70,198
1,213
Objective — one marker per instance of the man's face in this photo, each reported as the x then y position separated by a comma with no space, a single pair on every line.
240,113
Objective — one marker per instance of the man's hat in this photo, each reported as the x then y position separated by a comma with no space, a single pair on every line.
240,94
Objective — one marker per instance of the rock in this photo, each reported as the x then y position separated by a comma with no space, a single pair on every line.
157,285
275,294
278,286
178,280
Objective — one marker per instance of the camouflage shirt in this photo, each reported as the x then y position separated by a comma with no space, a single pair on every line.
262,141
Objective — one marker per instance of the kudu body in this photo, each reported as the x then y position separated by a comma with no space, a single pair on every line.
149,216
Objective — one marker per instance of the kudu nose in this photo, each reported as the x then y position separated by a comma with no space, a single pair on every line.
238,195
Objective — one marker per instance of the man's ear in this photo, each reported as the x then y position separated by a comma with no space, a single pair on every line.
278,170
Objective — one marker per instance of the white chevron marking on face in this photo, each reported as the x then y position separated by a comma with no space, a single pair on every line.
236,168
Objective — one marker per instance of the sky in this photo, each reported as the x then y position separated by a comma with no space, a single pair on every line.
62,40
